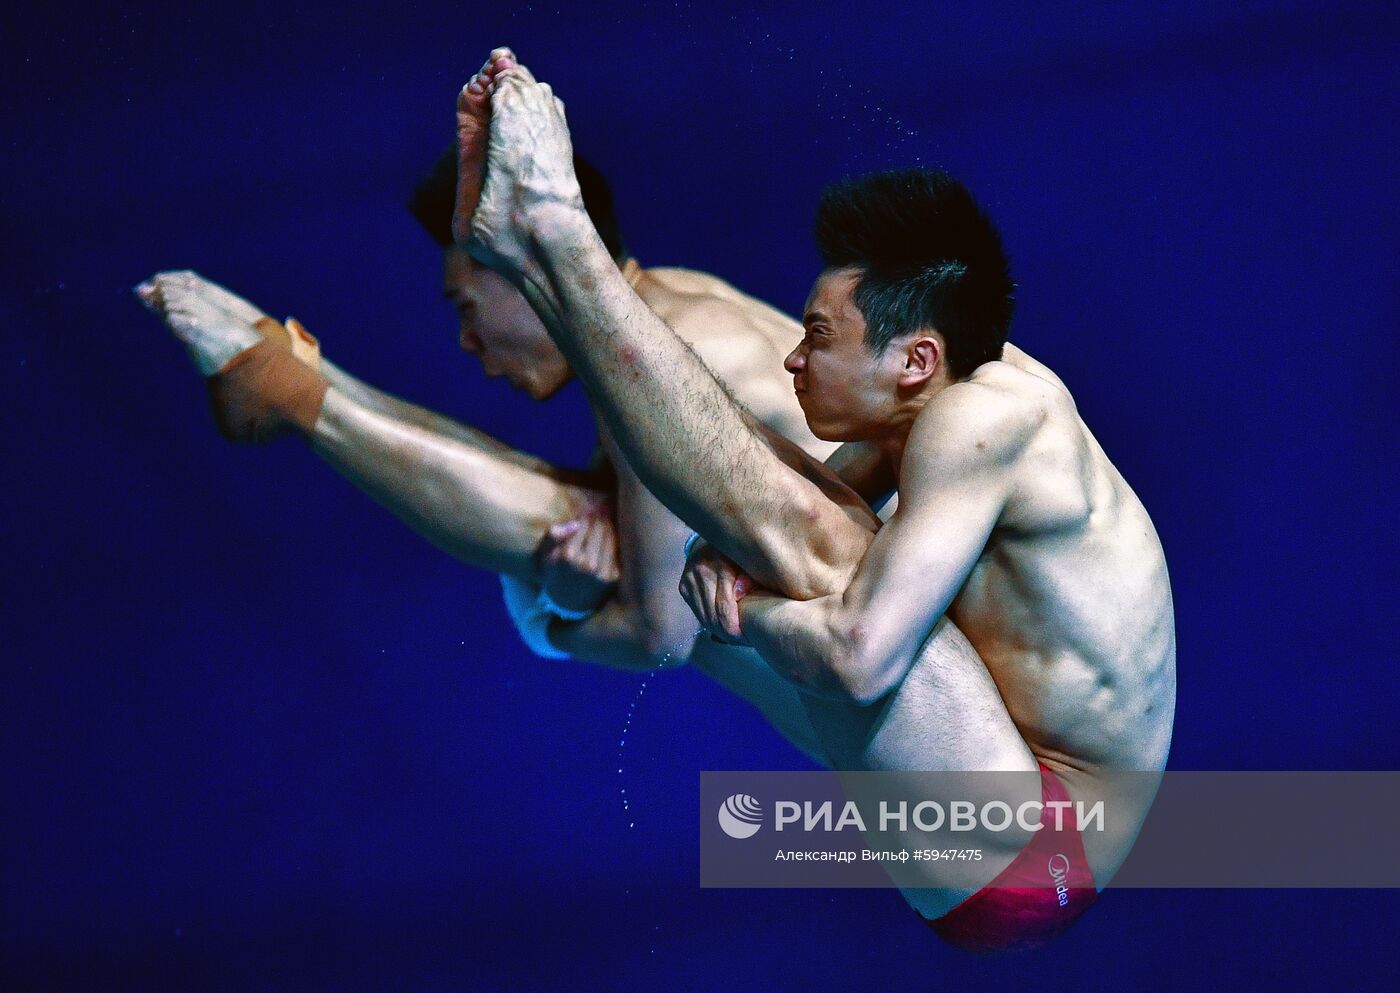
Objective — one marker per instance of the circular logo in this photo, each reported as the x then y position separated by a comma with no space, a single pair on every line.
741,816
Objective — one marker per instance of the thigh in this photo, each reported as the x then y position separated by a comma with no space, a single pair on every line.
946,715
744,673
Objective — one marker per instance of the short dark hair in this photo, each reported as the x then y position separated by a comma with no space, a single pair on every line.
928,256
436,193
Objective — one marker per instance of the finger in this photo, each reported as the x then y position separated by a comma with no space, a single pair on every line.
576,548
697,608
718,591
593,537
688,593
742,584
608,552
700,597
565,529
697,597
726,609
592,541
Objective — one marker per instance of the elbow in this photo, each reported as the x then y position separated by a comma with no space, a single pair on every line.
866,688
859,675
665,635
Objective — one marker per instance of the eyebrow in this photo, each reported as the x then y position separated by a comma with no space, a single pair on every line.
815,315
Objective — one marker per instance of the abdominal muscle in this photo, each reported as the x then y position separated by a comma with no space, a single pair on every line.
1086,730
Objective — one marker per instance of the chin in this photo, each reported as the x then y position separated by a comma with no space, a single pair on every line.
838,431
542,391
825,430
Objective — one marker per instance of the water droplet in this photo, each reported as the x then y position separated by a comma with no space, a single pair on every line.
622,742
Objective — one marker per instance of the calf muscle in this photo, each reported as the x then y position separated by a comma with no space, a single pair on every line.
483,508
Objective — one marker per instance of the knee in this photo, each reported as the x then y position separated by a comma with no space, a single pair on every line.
666,635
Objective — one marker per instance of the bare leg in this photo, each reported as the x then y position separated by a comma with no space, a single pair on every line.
946,716
691,444
484,508
463,491
743,672
376,400
480,500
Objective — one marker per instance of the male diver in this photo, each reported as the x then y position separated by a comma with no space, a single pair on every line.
590,561
1015,611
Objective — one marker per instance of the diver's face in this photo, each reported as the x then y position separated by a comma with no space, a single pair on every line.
847,392
498,327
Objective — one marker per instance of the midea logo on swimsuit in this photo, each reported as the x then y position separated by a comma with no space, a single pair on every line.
1059,872
740,816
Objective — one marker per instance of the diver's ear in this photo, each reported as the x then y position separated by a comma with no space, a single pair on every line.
922,357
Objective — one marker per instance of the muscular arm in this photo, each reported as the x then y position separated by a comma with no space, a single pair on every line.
859,643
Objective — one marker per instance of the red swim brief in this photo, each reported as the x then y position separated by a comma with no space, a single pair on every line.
1035,898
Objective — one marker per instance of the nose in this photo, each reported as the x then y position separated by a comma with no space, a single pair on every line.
796,360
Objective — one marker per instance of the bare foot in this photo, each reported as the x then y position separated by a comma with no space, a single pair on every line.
473,126
214,324
262,376
530,179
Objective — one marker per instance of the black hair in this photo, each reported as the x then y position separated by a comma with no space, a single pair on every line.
928,257
436,193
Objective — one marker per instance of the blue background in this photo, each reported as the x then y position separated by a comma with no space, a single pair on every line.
257,735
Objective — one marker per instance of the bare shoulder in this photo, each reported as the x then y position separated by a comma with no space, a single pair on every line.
1022,361
735,334
689,283
1059,474
987,417
742,340
707,305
